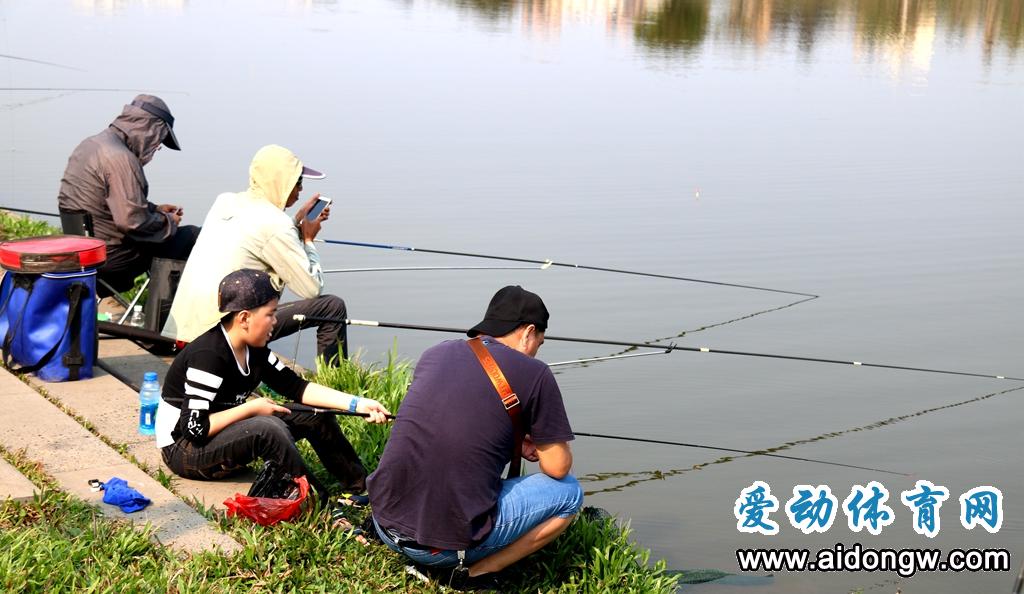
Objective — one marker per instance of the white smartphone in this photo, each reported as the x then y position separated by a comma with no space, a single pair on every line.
321,203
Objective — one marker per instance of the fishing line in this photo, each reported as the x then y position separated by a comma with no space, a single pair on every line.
377,324
298,335
720,449
652,475
621,354
13,106
549,263
716,325
21,59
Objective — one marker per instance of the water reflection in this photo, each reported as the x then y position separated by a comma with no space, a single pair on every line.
547,16
680,25
761,22
113,7
899,34
880,28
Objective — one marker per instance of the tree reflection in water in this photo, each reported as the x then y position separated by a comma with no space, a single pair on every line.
686,25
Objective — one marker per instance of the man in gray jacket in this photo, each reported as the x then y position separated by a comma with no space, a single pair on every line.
104,178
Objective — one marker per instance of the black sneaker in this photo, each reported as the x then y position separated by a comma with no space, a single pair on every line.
370,530
459,580
354,500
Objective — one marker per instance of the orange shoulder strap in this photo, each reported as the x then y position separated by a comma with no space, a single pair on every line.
508,399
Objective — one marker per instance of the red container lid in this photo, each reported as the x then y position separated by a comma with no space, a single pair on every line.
56,253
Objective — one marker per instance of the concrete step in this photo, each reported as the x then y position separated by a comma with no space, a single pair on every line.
112,408
72,455
13,484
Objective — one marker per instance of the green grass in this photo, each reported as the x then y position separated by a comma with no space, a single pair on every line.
59,543
15,226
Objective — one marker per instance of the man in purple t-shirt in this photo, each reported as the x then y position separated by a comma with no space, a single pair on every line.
437,495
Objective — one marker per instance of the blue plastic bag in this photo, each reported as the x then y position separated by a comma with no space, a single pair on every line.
48,324
117,492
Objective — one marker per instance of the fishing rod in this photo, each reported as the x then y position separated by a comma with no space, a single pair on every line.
376,324
748,452
418,268
89,90
333,411
35,212
296,407
300,318
545,264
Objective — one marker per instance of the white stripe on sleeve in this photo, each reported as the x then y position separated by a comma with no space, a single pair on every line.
194,391
203,377
195,404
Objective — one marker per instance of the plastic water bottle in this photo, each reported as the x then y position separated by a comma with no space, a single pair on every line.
149,399
138,319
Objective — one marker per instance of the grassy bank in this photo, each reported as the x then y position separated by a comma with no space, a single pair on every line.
14,226
17,226
58,543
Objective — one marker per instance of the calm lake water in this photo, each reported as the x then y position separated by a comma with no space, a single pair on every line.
865,151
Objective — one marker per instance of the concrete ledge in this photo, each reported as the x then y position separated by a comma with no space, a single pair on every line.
113,410
72,455
14,485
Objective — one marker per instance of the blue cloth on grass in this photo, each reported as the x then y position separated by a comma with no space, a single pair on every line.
117,492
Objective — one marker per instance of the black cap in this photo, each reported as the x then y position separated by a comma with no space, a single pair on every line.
510,308
245,289
155,106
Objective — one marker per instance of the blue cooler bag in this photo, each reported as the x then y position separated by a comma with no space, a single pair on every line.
47,312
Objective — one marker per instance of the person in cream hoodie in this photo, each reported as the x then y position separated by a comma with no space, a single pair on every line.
251,229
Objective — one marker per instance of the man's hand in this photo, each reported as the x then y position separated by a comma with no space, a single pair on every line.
309,229
529,449
176,212
375,409
261,407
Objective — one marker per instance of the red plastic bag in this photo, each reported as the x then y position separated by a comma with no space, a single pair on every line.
266,511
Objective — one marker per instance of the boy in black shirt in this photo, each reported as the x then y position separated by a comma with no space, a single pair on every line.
205,426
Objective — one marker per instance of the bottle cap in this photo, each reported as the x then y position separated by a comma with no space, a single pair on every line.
149,376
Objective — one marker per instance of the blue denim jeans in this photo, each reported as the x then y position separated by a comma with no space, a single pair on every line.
524,503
